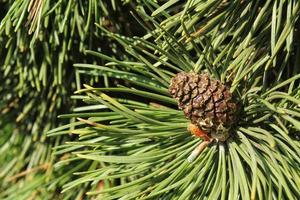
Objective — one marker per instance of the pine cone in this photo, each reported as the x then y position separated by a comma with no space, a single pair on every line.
206,102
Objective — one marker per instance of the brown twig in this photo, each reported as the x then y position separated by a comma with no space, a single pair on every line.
28,171
198,150
90,122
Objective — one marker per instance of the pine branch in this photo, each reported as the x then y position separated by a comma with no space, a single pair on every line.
149,159
129,140
41,40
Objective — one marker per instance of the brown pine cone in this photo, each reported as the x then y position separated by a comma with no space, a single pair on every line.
206,102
